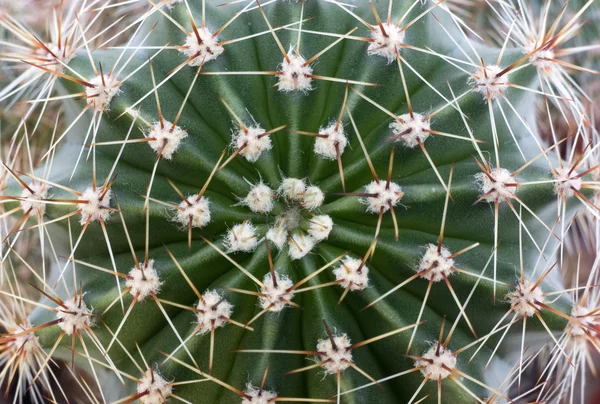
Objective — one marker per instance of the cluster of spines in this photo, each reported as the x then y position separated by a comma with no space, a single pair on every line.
497,185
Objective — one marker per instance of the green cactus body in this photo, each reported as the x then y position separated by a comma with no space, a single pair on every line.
231,246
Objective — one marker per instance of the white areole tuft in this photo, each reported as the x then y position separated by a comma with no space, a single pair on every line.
435,363
252,141
198,209
487,82
381,196
103,91
497,185
241,237
33,199
75,316
410,129
97,205
143,282
336,358
202,48
294,74
213,311
167,138
334,142
386,42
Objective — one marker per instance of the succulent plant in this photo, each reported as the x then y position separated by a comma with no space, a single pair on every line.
304,201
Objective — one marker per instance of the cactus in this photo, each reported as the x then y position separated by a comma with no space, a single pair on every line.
295,201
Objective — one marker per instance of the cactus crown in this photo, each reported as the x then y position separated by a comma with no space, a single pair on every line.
305,201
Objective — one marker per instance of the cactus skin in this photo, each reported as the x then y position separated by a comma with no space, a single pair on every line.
254,97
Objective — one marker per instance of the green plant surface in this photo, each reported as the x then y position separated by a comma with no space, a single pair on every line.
419,214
